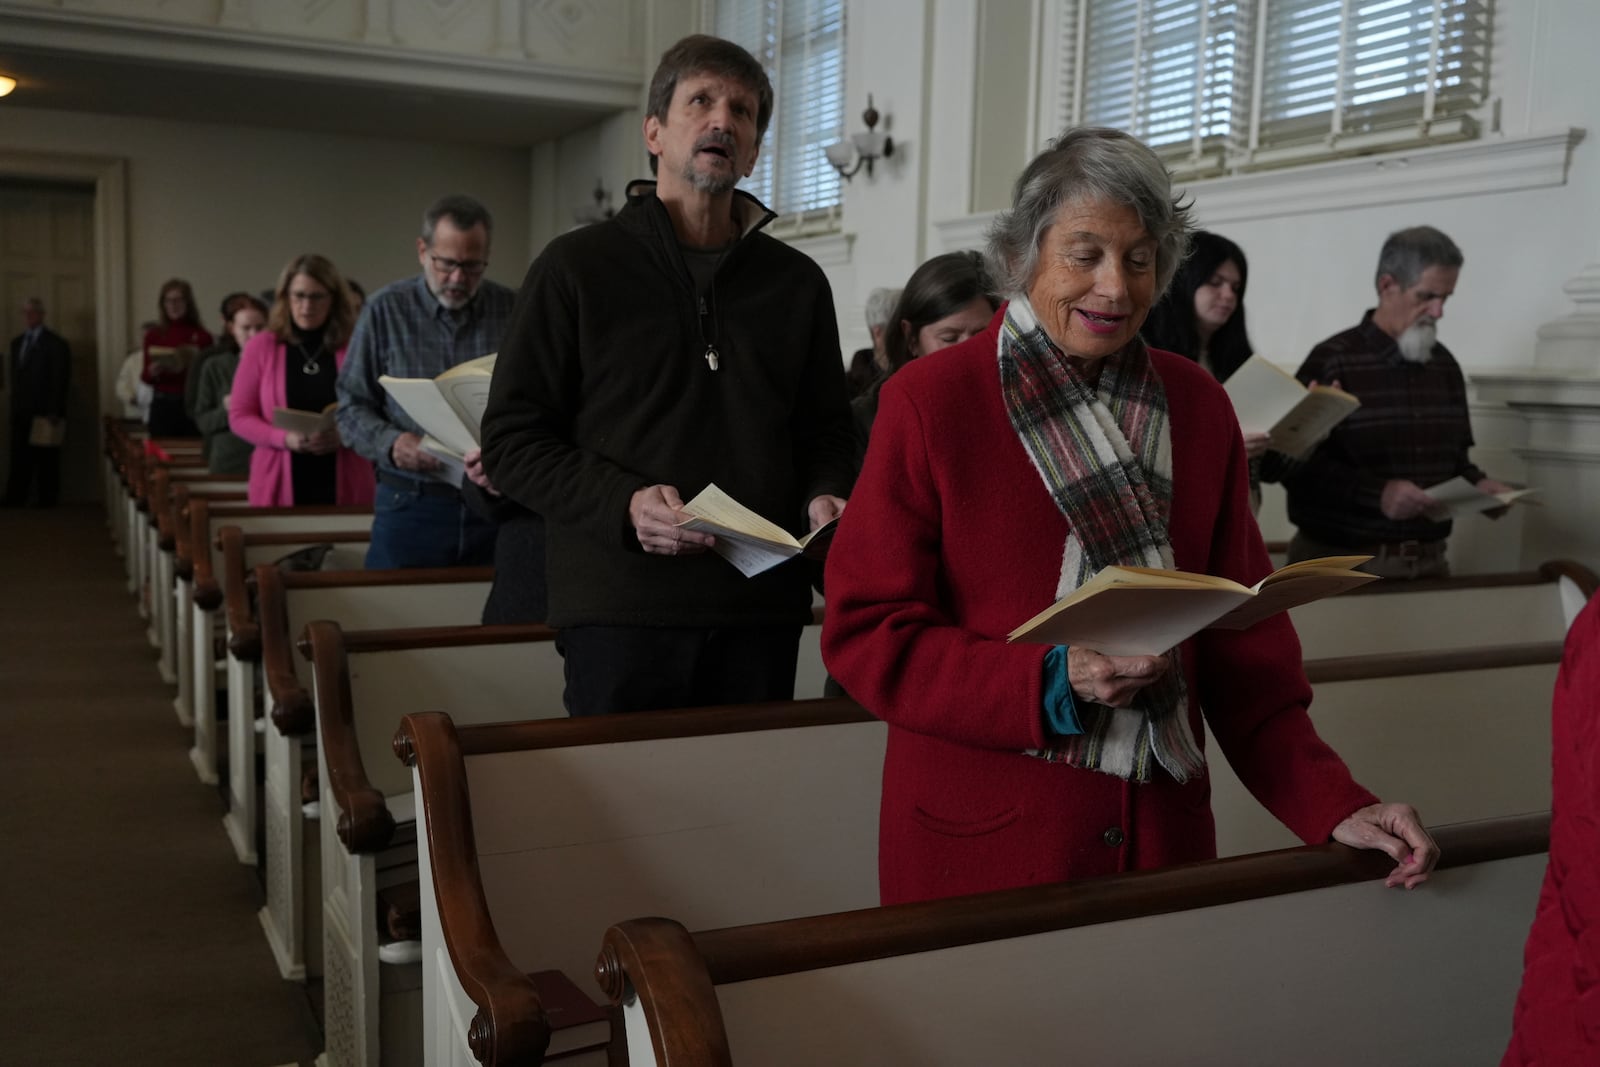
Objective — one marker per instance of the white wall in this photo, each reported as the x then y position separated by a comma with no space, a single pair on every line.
226,205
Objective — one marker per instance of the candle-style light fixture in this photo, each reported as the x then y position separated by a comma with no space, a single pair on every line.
861,149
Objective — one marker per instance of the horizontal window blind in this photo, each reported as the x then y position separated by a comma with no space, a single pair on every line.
1213,83
801,45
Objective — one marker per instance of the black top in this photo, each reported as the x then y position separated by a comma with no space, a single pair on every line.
309,372
602,388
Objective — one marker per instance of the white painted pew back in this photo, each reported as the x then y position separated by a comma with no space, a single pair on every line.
724,828
1328,977
1458,746
1418,618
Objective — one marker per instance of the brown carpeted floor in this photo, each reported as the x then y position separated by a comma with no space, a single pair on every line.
128,931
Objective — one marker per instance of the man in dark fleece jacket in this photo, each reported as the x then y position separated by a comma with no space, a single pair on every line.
668,348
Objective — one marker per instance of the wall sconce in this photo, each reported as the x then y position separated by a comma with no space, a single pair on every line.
600,210
6,85
848,155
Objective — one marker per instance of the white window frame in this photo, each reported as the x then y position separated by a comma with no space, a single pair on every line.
818,218
1061,61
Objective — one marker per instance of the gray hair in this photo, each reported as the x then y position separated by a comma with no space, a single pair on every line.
1407,253
880,306
464,211
1088,163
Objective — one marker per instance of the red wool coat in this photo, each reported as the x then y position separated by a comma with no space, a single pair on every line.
1557,1020
950,540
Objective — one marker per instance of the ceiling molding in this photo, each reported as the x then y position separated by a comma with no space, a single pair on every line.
323,60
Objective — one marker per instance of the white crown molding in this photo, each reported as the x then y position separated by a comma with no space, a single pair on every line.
1490,165
387,65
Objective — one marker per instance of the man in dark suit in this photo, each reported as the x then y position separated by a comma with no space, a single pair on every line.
41,369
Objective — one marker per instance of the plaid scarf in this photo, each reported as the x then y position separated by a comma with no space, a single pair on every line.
1105,454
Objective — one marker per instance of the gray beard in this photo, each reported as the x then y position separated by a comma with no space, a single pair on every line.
1416,344
714,184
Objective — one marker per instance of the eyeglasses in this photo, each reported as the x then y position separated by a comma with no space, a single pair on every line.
470,267
309,298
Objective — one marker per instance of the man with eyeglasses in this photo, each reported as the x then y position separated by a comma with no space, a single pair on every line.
419,328
672,346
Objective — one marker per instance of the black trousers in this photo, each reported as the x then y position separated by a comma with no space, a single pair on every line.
31,466
612,669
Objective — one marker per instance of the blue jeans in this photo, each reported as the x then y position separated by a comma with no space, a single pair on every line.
412,528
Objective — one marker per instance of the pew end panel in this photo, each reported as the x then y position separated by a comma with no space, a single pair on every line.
1044,974
363,681
293,914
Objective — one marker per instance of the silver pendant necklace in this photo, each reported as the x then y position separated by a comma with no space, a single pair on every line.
310,362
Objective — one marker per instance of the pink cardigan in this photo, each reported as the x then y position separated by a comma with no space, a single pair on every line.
258,390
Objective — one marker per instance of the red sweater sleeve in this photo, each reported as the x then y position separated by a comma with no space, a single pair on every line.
890,635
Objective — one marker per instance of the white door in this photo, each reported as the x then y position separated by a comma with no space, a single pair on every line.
47,251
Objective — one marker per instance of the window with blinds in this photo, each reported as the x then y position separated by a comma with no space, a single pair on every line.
1227,85
801,45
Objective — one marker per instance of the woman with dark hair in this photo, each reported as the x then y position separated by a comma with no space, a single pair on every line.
226,453
1004,474
293,363
947,300
1201,317
169,348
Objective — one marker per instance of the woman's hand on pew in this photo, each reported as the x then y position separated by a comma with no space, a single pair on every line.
1396,829
655,517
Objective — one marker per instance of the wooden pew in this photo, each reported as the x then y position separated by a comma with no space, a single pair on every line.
159,545
200,556
181,498
535,836
1300,956
138,468
364,681
1437,614
286,603
1462,735
170,496
1447,788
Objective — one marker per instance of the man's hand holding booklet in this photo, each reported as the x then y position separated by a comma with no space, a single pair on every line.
747,540
1140,611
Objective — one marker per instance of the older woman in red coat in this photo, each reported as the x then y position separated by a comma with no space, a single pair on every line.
1557,1021
1004,472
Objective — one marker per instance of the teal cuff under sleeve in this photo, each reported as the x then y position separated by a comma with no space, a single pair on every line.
1060,709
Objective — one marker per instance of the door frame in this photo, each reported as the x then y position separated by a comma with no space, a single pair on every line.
109,177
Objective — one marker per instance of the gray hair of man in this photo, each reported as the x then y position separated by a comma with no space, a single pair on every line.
1407,253
1088,163
464,211
880,307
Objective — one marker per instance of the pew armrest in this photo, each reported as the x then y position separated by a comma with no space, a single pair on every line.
656,961
510,1025
292,709
365,822
244,639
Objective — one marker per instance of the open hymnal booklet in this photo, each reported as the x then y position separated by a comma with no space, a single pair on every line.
1142,611
173,357
1460,497
449,409
746,539
1268,399
304,422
